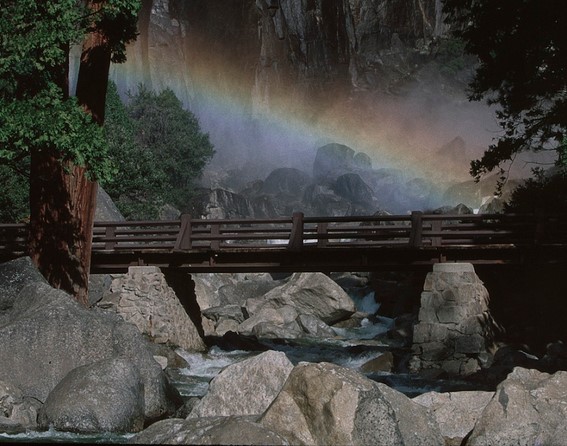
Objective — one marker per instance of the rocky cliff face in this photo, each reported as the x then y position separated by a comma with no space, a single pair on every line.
278,46
273,80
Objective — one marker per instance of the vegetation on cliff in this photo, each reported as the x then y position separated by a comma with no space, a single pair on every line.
158,148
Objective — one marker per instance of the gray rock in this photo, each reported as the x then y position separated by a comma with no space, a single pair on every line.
314,294
353,188
249,287
328,404
14,276
245,388
268,319
332,160
269,330
106,210
46,334
105,396
99,286
226,325
18,413
456,412
528,408
285,181
314,326
210,431
233,312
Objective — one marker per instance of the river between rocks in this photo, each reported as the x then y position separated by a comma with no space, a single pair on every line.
351,348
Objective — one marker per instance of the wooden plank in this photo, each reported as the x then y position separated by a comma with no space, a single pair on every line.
296,235
183,241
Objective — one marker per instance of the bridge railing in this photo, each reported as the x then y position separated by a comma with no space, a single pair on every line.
298,232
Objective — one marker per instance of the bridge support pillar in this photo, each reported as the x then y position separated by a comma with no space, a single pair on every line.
455,333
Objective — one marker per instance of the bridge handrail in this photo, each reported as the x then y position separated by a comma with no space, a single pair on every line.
299,232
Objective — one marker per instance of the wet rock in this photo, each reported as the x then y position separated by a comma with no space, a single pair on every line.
311,293
327,404
314,326
528,408
333,160
210,430
382,363
105,396
245,388
221,204
18,413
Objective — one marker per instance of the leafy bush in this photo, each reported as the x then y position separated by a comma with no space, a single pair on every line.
14,198
546,191
159,150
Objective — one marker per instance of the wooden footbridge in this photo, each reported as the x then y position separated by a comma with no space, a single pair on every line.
298,243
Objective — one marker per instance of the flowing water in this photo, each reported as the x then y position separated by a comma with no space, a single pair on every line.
351,348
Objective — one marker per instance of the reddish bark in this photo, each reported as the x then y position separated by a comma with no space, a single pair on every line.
62,199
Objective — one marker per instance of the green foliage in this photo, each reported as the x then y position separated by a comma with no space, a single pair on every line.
14,206
159,149
49,120
544,192
522,49
451,56
35,111
118,22
174,136
138,185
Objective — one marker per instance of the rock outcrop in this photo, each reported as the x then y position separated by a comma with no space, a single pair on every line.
210,430
106,396
305,305
18,413
528,408
327,404
45,334
456,413
245,388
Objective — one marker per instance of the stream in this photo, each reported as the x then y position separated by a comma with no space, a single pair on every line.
350,348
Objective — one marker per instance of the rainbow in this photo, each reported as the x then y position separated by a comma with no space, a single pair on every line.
396,132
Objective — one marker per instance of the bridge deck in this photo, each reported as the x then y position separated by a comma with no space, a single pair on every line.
360,243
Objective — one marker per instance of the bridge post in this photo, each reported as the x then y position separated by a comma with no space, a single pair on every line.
416,229
540,226
110,235
215,231
322,231
183,241
296,235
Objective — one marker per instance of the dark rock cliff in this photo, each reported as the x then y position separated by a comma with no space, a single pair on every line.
271,81
270,48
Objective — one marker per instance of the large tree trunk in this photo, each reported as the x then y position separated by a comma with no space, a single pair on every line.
62,211
62,198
